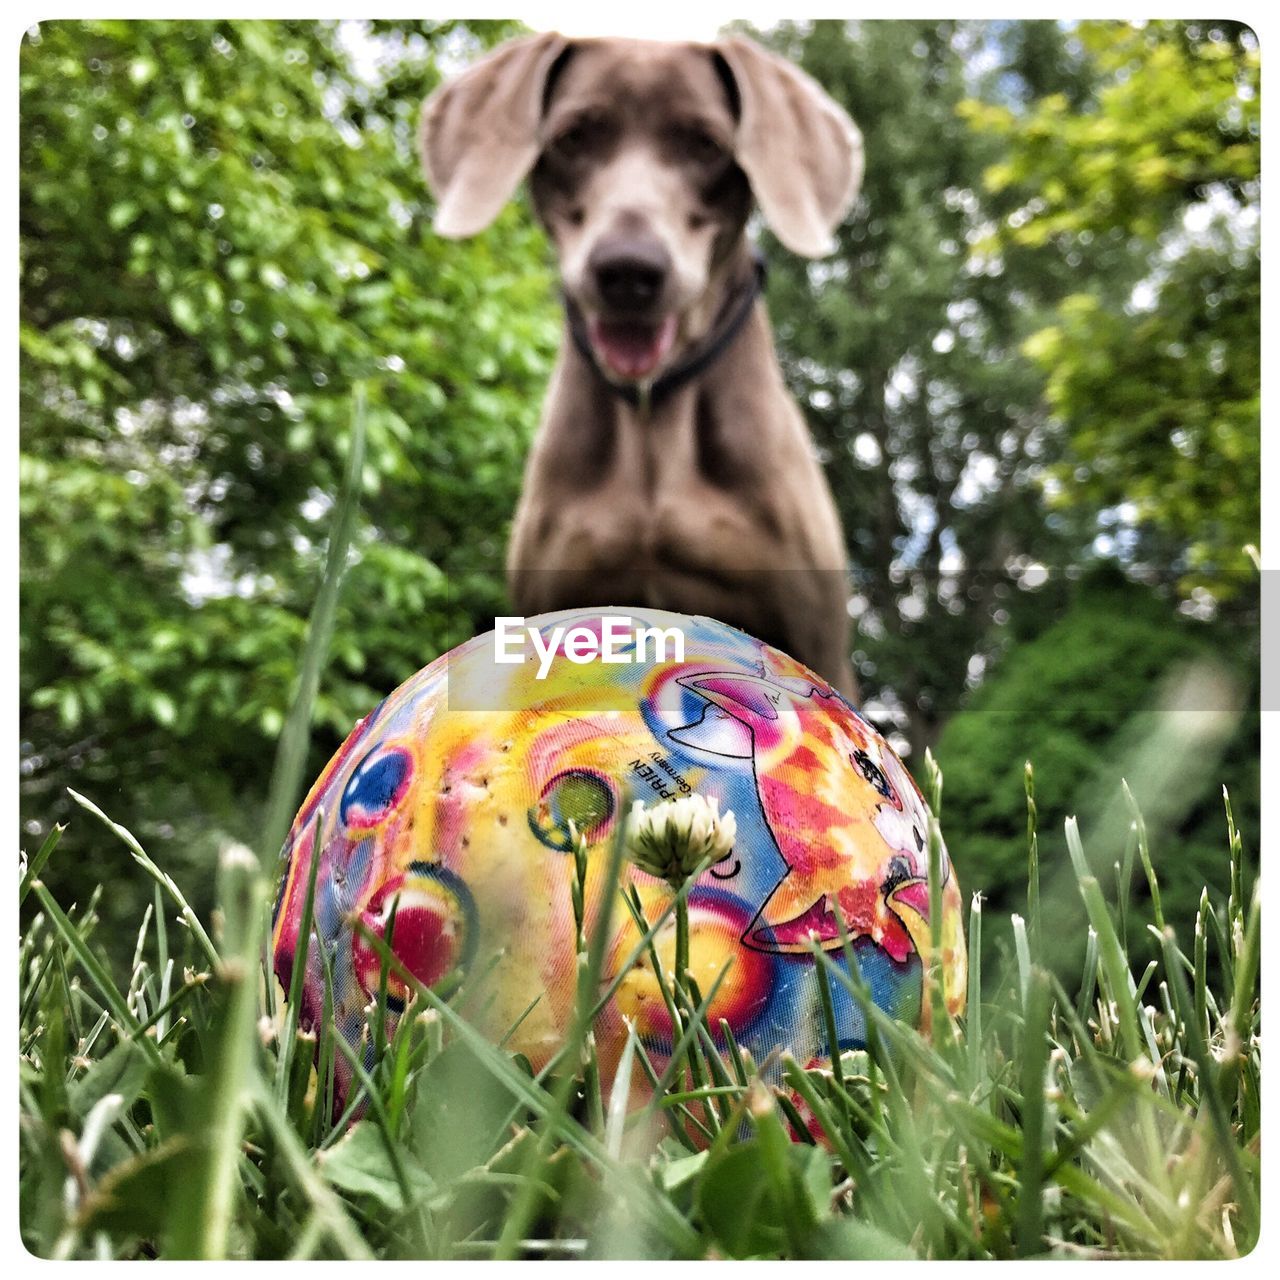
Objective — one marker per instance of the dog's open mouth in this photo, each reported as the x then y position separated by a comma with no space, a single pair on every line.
630,349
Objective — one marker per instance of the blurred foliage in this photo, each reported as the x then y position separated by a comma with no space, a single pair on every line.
989,398
1037,341
905,348
223,230
1115,688
1160,395
995,406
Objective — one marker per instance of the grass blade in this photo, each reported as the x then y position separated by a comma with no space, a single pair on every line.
93,967
166,881
206,1232
302,954
1116,971
1198,1050
36,865
619,1097
1144,852
1035,1059
973,1014
1033,857
291,752
327,1206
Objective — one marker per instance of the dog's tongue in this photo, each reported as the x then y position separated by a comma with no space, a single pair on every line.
630,350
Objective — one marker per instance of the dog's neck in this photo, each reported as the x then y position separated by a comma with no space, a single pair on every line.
732,418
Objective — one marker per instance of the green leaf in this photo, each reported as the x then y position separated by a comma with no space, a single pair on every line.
123,1070
849,1239
740,1206
185,313
131,1199
122,214
359,1164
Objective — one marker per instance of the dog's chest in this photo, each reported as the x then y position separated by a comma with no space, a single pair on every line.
651,500
657,455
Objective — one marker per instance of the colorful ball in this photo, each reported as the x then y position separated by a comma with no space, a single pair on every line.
457,798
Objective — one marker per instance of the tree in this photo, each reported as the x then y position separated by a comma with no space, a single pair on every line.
1158,391
996,413
223,230
1115,688
992,413
905,349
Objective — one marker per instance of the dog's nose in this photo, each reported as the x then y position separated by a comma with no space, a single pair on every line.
629,273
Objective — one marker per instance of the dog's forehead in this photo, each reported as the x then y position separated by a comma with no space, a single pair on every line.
640,73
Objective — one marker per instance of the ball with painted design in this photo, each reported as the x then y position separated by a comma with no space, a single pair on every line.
451,804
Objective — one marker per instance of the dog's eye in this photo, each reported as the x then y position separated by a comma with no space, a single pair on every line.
699,145
572,140
577,139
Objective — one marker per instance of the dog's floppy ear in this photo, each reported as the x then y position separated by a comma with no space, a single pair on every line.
800,150
479,133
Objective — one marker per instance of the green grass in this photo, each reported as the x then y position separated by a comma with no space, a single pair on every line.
177,1110
165,1112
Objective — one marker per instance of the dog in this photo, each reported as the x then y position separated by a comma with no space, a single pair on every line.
671,467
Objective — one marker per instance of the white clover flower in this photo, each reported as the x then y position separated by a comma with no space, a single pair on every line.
675,837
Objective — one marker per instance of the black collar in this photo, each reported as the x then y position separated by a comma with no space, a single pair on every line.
700,358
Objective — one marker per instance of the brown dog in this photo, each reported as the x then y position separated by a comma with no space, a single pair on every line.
671,469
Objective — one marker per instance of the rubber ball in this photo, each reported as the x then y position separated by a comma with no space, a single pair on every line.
458,799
